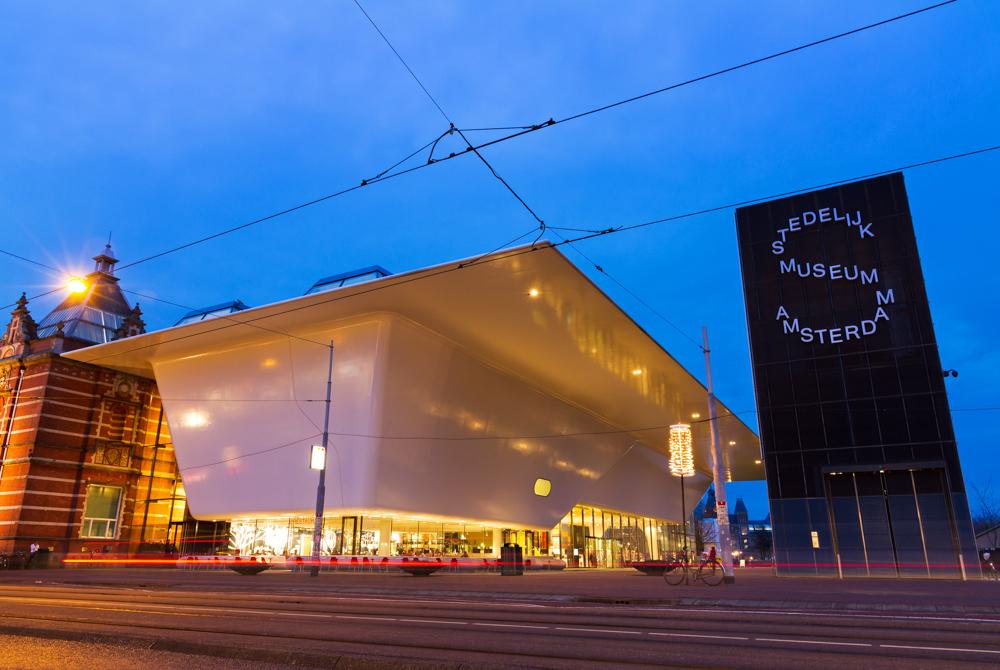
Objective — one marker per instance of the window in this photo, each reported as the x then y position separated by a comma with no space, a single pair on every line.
100,513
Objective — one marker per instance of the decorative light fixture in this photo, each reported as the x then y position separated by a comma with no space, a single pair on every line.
695,415
681,455
543,487
534,292
76,285
681,465
636,372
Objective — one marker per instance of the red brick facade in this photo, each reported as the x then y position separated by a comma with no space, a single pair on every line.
66,427
86,462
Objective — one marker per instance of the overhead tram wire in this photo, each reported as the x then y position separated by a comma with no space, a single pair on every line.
229,317
490,437
452,128
385,284
656,312
525,130
384,175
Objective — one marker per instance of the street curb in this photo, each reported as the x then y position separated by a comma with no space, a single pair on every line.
298,659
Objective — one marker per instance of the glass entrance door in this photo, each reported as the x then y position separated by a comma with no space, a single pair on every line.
603,553
893,523
348,535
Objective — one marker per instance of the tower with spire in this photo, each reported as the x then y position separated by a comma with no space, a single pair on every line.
100,313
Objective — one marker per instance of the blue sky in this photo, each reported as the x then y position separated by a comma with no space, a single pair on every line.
163,122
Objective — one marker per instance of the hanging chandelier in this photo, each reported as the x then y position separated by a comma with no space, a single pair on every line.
681,455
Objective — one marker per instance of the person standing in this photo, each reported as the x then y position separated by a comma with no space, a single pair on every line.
32,550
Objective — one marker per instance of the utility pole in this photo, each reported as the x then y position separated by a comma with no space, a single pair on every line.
321,487
684,515
719,476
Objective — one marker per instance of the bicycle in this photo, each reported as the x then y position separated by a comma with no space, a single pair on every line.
707,572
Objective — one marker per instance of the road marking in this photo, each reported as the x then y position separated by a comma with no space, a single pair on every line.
842,615
508,625
455,623
714,637
906,646
836,644
321,616
600,630
368,618
123,609
557,606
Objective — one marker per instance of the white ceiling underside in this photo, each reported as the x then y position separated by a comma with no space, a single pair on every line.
569,340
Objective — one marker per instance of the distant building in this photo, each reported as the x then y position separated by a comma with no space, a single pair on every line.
988,539
752,538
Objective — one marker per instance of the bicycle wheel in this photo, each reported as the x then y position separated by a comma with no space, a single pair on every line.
674,575
711,573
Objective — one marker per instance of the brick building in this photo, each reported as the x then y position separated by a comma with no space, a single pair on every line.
86,462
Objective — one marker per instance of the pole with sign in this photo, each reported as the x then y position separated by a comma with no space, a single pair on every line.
317,461
719,476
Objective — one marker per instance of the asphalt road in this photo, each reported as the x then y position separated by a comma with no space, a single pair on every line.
323,630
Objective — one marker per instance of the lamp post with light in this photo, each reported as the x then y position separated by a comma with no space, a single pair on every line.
317,461
681,465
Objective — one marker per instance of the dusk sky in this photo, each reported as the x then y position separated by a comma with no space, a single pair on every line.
163,122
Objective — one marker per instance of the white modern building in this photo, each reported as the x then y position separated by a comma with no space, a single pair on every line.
461,393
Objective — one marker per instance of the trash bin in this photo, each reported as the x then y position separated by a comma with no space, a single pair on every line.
511,560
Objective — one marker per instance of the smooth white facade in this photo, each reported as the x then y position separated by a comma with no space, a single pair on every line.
452,395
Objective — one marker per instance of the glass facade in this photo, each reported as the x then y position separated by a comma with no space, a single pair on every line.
587,537
856,433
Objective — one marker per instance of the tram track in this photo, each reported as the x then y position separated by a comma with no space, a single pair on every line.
485,630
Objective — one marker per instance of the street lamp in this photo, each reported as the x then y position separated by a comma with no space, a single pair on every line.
317,461
681,465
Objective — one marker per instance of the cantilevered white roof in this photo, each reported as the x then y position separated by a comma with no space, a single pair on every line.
528,311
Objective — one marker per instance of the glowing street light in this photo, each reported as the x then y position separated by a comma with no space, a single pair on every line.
317,457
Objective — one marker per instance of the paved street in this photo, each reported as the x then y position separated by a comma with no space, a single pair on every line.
320,625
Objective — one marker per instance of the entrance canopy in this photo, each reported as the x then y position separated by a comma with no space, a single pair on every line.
527,311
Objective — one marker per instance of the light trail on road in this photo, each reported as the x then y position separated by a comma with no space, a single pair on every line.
553,634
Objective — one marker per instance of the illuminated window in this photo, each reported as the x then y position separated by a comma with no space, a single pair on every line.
815,539
100,513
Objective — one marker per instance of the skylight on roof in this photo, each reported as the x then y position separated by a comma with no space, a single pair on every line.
349,278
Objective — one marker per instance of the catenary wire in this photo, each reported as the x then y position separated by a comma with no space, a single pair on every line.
299,441
229,317
28,260
389,282
260,452
524,130
600,269
447,118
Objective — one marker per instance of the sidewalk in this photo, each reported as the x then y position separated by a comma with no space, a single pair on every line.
754,588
